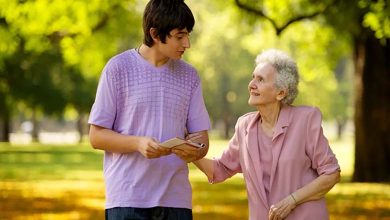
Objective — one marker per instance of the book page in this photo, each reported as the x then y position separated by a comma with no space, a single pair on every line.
172,142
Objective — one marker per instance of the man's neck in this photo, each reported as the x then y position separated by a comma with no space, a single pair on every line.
152,55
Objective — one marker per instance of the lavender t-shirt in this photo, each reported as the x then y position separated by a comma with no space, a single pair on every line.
137,98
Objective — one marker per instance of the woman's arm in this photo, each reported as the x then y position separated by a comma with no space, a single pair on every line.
317,188
227,165
324,163
206,166
314,190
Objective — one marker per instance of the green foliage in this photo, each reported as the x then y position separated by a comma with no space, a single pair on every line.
357,16
52,52
316,47
378,17
225,67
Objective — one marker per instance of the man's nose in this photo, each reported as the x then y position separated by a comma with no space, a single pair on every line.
186,42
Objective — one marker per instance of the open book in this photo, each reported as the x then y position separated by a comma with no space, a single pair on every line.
178,141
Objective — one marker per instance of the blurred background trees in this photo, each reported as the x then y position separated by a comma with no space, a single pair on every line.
52,53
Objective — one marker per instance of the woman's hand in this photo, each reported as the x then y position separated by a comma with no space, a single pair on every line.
282,209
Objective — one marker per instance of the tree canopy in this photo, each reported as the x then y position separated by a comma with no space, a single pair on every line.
54,51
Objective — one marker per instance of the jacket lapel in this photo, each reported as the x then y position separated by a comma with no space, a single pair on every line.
278,138
255,170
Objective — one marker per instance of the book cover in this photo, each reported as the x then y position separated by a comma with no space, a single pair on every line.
178,141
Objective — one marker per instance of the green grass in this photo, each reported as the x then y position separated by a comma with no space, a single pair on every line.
36,162
65,182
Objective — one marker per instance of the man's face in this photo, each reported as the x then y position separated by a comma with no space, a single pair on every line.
176,43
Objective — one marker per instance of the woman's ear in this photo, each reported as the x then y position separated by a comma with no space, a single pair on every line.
280,96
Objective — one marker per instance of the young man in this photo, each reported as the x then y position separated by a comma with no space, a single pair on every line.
145,96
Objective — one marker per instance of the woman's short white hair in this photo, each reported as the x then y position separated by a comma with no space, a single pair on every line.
287,72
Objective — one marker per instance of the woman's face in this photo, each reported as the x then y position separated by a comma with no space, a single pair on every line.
262,90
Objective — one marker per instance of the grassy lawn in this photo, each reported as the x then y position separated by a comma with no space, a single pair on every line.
65,182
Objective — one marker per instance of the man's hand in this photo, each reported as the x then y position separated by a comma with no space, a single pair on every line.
187,152
149,148
193,137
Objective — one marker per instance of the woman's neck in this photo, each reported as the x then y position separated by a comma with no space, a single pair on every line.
152,55
269,117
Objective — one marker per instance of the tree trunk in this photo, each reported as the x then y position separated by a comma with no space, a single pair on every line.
80,126
5,118
6,129
35,131
226,121
372,110
340,128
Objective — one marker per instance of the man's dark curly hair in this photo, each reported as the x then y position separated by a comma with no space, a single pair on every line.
164,16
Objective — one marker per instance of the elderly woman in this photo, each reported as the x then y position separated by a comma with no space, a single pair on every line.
281,150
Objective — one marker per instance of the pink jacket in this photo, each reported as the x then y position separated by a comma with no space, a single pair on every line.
300,154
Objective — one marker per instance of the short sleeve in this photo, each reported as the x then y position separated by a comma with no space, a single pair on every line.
229,163
198,117
323,159
103,110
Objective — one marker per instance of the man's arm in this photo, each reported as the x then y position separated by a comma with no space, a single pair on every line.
203,139
105,139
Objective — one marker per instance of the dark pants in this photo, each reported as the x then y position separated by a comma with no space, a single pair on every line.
155,213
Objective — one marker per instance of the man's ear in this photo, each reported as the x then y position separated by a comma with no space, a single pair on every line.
281,95
153,34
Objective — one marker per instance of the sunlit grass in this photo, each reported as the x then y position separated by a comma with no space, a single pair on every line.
65,182
360,201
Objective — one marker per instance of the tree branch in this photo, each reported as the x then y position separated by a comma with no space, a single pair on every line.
56,36
256,12
281,28
3,22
